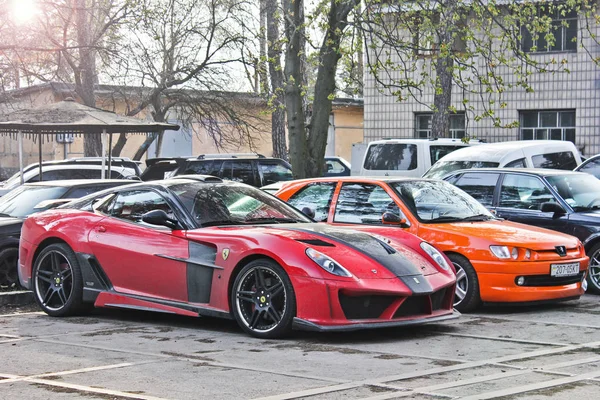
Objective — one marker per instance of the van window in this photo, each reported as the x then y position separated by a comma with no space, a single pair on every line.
437,152
391,156
561,160
520,163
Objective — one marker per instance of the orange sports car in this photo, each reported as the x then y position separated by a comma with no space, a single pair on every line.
496,261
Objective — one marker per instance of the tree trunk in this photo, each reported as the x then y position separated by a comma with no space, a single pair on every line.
92,144
119,145
277,81
293,88
144,147
325,85
442,100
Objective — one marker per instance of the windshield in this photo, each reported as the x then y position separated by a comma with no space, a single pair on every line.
20,202
580,191
227,204
438,201
442,168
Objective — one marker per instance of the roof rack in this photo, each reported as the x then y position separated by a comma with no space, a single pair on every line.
199,178
230,155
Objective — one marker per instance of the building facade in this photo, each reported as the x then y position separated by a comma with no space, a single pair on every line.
563,105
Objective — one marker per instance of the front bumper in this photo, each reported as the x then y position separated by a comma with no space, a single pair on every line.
497,281
301,324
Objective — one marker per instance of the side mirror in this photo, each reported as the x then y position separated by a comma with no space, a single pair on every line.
389,218
553,208
309,212
159,218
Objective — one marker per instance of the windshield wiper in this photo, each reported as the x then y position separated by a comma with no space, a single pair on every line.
478,217
6,215
217,223
445,219
270,220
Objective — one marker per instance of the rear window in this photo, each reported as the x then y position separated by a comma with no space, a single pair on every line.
201,168
391,156
443,168
561,160
437,152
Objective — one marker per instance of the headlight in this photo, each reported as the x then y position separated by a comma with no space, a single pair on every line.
501,251
436,255
327,263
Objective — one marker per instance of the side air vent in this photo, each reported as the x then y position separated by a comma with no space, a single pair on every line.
316,242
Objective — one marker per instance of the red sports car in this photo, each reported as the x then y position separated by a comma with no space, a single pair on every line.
199,246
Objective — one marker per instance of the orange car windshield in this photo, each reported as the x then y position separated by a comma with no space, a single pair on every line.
439,201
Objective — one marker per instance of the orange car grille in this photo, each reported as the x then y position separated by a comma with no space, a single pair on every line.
552,255
547,280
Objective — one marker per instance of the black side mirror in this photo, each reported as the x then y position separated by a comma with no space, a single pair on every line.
159,218
389,218
553,208
309,212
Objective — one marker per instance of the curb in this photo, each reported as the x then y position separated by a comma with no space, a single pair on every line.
16,298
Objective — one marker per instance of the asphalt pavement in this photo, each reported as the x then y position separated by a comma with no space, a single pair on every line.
510,353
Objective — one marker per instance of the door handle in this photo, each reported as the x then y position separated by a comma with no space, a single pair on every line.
101,229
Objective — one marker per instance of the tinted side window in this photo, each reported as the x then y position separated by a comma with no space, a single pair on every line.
238,171
130,206
363,204
274,172
64,174
437,152
197,167
78,192
391,156
592,167
520,163
524,192
316,196
561,160
479,186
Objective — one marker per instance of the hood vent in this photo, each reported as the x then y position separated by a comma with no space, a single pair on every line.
316,242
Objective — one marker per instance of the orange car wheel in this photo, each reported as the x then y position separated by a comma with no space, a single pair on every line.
466,297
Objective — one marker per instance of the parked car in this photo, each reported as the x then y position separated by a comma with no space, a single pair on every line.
563,201
161,168
591,166
554,154
496,261
252,169
28,199
202,246
53,171
407,157
337,166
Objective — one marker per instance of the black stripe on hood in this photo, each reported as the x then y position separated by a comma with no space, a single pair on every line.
409,273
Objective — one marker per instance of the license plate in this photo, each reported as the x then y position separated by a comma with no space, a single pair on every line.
564,269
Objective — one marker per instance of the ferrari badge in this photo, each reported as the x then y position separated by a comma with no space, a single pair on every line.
225,254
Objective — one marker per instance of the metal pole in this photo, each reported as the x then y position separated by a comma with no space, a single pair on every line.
103,153
40,136
109,153
20,140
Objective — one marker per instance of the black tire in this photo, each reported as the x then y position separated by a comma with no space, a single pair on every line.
9,277
263,301
57,281
470,292
593,276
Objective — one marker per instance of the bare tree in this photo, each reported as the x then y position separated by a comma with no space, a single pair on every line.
182,53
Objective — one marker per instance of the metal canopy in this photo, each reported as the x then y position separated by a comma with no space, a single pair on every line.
70,117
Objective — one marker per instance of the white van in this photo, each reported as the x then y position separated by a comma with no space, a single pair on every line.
406,157
555,154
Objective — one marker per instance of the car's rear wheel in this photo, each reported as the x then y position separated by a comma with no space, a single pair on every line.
8,268
263,299
57,281
466,295
593,276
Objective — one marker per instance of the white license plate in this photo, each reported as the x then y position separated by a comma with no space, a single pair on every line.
564,269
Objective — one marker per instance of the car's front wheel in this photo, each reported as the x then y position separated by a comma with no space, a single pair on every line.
593,277
263,299
57,281
466,295
8,267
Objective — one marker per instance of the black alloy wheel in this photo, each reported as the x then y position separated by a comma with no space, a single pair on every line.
593,276
263,299
9,277
466,295
57,281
